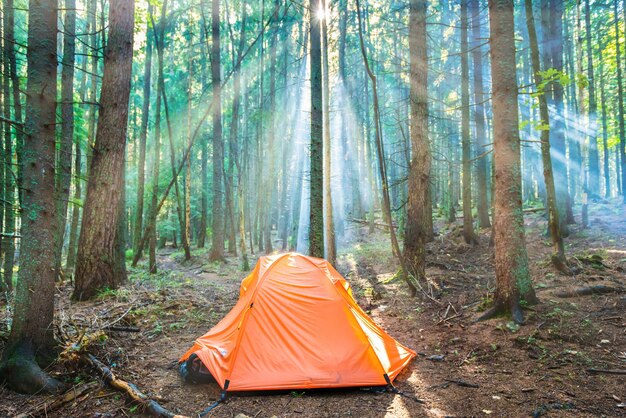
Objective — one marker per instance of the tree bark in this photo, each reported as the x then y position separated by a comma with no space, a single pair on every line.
594,158
316,215
31,340
98,263
329,233
418,205
513,282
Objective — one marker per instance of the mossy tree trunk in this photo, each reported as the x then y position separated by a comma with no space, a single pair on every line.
98,263
31,341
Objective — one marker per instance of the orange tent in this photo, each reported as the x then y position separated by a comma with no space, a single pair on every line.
297,326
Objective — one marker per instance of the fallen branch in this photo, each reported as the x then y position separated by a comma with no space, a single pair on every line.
122,329
607,371
590,290
462,383
130,389
58,402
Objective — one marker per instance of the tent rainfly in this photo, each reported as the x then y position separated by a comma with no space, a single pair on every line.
297,326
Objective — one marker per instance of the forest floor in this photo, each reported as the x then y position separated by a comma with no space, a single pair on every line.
492,368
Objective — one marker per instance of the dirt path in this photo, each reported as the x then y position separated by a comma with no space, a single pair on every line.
463,368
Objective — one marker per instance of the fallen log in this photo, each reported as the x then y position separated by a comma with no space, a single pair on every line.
129,389
378,225
56,403
589,290
607,371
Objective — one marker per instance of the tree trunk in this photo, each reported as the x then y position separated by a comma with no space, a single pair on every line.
64,158
143,133
417,228
31,340
204,153
594,159
187,223
316,214
386,204
9,39
558,256
98,263
557,137
479,117
78,181
620,101
605,132
513,282
329,232
8,242
217,239
468,222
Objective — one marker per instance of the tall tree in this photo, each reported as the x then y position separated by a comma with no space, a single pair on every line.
605,129
217,239
468,222
513,282
329,233
8,60
143,133
380,152
479,117
418,204
620,103
98,262
558,256
64,157
557,137
316,214
9,49
31,341
594,158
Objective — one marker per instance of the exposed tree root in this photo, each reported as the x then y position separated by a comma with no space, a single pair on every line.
129,389
589,290
561,265
497,309
56,403
22,374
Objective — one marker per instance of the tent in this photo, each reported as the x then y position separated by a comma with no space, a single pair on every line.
297,326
